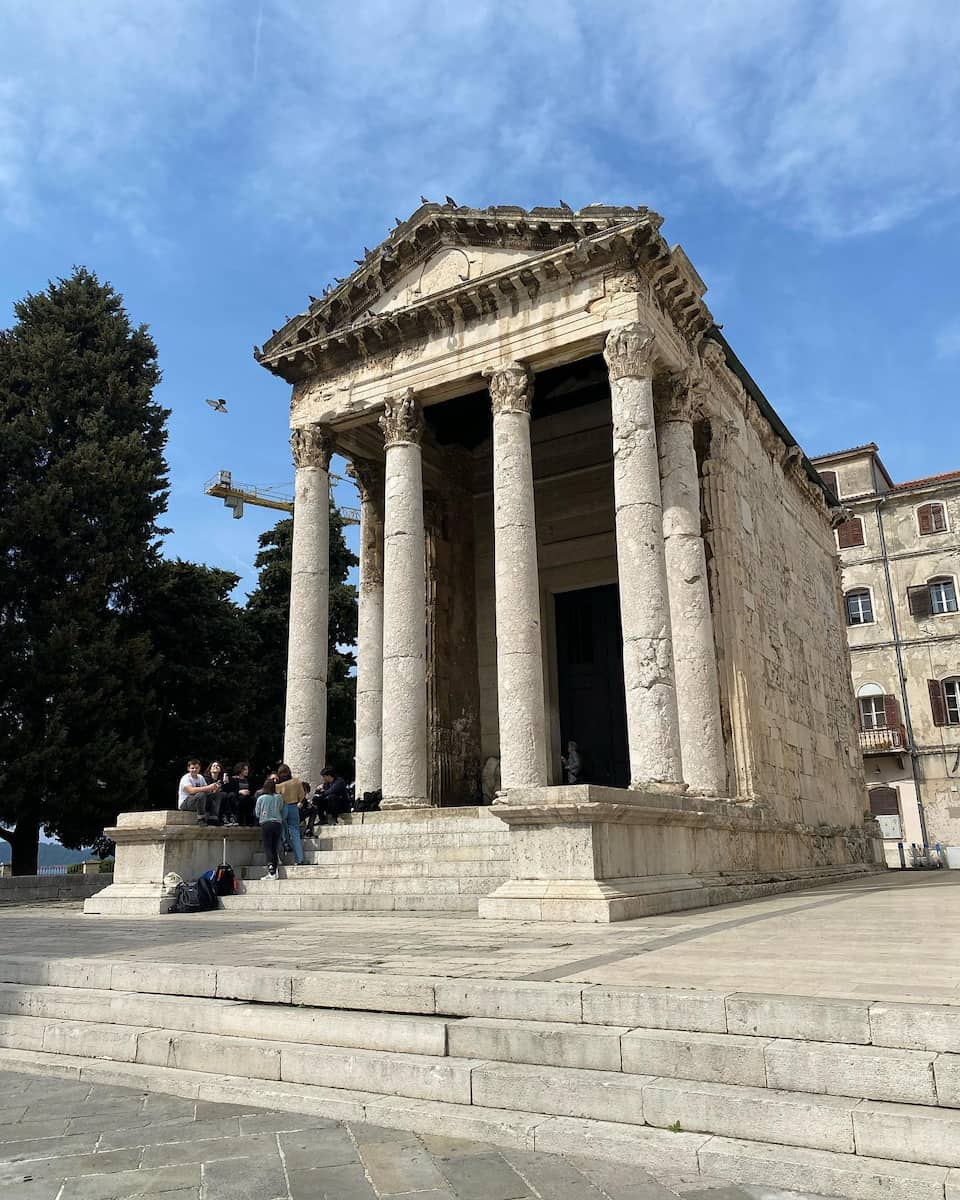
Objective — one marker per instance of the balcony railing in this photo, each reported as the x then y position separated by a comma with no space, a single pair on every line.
881,741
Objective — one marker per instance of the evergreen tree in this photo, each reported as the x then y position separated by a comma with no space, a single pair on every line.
82,483
200,684
266,615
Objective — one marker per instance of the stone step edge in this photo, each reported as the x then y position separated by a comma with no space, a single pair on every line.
656,1150
859,1022
838,1123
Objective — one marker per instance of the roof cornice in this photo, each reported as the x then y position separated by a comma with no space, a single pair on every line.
339,329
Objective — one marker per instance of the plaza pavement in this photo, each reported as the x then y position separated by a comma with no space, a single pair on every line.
892,937
66,1140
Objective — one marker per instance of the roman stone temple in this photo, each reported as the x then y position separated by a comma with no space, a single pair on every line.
581,521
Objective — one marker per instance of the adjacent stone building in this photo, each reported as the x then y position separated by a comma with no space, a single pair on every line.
581,521
900,550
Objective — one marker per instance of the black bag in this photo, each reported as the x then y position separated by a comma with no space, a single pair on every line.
186,899
207,894
224,880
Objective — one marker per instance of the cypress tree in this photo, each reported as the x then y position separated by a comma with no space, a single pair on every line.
82,483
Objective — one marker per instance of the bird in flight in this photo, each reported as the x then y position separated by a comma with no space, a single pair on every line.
218,405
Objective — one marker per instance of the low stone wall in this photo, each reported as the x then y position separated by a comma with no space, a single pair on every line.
28,889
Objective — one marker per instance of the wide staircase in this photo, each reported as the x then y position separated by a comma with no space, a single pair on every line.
833,1097
417,860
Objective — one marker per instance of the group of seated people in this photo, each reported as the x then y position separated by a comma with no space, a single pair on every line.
221,797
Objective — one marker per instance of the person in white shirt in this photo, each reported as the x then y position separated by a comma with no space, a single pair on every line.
193,791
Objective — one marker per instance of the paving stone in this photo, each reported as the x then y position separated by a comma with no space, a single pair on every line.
78,1143
36,1189
552,1178
211,1150
398,1167
379,1133
26,1130
330,1183
453,1147
210,1110
620,1181
124,1184
322,1148
240,1179
283,1122
483,1177
69,1166
162,1133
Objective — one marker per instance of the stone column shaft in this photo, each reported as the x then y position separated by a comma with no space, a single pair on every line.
523,735
694,652
369,760
653,731
404,711
305,722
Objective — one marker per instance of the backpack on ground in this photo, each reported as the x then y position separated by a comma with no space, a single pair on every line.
207,894
186,898
224,880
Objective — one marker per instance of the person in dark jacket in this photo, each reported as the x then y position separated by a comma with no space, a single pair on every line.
332,799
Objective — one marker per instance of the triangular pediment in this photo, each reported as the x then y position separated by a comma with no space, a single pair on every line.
442,247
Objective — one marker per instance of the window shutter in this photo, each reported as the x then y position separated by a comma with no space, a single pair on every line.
850,533
829,479
938,518
938,705
925,518
918,598
891,712
884,802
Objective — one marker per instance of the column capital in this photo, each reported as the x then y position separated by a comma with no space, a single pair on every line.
630,351
402,419
511,388
312,446
679,397
368,475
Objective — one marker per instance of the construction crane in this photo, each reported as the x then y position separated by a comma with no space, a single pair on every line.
236,495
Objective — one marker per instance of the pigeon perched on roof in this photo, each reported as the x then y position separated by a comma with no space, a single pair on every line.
565,206
450,200
219,405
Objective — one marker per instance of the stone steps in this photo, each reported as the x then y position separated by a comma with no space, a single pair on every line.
362,855
843,1097
304,881
406,839
289,899
384,870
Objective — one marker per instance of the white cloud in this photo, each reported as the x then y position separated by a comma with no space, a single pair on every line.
841,119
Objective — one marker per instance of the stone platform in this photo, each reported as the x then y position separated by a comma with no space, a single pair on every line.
761,1043
576,853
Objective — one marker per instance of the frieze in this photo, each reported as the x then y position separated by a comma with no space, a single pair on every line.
312,446
511,388
402,420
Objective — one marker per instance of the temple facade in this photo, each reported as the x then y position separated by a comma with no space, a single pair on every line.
581,522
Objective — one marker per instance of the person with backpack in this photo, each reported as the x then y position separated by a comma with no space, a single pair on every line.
270,815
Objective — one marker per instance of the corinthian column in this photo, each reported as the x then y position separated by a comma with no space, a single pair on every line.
652,724
305,723
694,653
523,750
369,480
404,712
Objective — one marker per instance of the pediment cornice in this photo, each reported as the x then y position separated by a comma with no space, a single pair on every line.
558,245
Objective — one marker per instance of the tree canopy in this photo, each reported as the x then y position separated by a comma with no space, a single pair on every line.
82,484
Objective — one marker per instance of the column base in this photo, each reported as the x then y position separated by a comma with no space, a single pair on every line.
597,854
389,802
659,787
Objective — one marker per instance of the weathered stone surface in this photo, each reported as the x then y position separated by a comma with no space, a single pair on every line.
911,1132
870,1072
564,1092
809,1018
595,1047
710,1057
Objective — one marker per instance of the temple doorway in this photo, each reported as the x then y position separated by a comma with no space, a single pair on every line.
590,682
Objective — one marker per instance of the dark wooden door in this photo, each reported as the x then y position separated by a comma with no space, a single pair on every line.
590,677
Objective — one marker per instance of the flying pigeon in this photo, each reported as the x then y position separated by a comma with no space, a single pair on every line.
218,405
450,200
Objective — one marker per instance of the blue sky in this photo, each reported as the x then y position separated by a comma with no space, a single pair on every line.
218,162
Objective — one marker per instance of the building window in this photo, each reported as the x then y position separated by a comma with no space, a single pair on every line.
829,481
859,607
850,533
885,809
873,714
944,701
943,595
933,598
931,518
